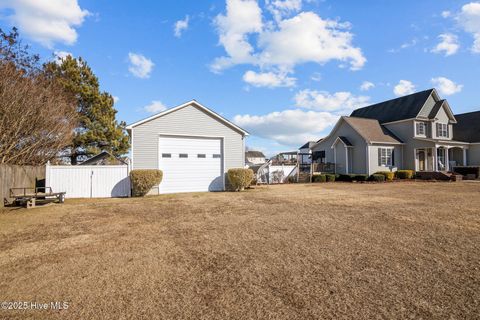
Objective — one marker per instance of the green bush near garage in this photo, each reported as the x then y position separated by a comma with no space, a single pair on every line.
405,174
330,177
319,178
143,180
361,177
240,178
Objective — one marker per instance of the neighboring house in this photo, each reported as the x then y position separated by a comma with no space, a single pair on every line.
305,153
254,157
468,129
191,144
103,158
411,132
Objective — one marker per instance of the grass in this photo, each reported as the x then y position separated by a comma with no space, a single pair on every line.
362,251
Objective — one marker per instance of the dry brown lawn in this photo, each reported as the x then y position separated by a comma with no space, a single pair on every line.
321,251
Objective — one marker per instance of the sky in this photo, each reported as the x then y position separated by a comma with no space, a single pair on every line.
284,70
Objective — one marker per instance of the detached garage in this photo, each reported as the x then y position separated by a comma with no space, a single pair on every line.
191,144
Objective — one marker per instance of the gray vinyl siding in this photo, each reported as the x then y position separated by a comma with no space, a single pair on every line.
191,121
357,153
373,158
427,108
474,155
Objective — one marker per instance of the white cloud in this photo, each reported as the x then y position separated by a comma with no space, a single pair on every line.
60,55
317,76
115,99
180,26
446,86
140,66
288,127
448,44
248,38
268,79
46,21
324,101
282,8
155,106
367,85
469,19
446,14
404,87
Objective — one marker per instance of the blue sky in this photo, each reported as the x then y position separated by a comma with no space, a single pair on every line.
285,70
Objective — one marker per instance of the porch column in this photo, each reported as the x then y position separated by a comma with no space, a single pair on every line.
464,156
447,159
435,160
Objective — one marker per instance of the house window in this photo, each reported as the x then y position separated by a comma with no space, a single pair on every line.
201,155
442,130
385,157
216,155
166,155
421,129
183,155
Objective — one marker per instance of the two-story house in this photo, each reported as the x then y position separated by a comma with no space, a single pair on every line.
412,132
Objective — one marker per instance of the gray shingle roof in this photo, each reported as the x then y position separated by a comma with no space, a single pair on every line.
345,140
371,130
468,127
435,109
406,107
308,145
254,154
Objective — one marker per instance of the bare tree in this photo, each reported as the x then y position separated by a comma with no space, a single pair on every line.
37,117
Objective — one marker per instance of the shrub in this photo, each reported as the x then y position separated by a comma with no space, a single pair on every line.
377,178
468,170
361,177
240,178
389,176
345,177
292,179
330,177
405,174
143,180
319,178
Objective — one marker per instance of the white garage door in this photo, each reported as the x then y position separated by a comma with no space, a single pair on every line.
190,164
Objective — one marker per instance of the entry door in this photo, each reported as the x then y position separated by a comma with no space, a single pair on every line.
421,160
190,164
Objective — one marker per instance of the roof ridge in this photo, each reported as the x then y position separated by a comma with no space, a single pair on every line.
397,98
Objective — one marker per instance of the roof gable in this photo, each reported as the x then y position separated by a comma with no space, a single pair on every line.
371,130
439,105
406,107
254,154
193,103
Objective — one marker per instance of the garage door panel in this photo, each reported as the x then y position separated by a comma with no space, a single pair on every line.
192,173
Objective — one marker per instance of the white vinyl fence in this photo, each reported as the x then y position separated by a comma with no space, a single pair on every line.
89,181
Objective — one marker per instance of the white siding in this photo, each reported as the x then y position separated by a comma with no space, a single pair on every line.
189,120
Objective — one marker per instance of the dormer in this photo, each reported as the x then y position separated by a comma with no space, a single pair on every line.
435,119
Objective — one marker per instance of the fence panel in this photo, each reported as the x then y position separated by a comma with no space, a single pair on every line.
89,181
12,176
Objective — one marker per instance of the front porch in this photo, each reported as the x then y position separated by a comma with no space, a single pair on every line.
440,158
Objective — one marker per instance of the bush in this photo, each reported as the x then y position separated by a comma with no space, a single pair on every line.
468,170
345,177
389,176
240,178
405,174
319,178
143,180
361,177
377,178
292,179
330,177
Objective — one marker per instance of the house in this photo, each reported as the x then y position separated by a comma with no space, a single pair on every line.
468,129
305,153
103,158
191,144
254,157
415,132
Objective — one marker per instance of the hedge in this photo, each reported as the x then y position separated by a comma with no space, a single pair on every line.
240,178
319,178
404,174
377,178
361,177
143,180
468,170
330,177
389,176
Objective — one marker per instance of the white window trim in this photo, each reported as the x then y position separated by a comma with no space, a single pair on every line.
417,125
386,157
439,127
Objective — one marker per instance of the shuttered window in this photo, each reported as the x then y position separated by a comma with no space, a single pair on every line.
442,130
421,129
385,157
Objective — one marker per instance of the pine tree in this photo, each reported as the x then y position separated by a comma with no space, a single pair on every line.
98,129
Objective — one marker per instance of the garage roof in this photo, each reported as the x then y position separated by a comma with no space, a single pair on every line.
191,102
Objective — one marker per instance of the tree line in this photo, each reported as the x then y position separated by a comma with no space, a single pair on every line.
53,111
